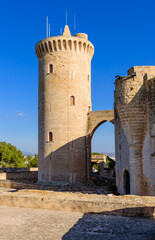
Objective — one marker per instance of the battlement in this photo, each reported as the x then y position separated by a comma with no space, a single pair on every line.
142,70
63,43
137,73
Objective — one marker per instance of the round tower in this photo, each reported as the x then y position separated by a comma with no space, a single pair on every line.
63,105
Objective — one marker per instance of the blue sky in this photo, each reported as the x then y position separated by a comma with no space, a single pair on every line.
123,33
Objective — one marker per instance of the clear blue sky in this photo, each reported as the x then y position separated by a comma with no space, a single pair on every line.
123,33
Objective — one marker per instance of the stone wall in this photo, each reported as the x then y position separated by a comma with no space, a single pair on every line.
19,174
134,122
134,206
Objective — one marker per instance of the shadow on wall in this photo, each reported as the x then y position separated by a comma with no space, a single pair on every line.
68,163
111,225
19,174
136,120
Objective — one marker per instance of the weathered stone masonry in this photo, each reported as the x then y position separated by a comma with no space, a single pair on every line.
64,102
135,131
66,122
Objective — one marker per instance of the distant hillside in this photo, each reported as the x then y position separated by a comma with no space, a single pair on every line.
28,153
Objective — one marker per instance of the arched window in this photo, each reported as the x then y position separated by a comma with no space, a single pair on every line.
51,68
50,136
89,108
72,100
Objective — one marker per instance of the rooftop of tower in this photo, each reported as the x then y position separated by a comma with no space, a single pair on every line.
67,33
79,42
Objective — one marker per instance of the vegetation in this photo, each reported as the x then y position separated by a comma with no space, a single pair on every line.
95,153
95,165
11,157
110,162
32,161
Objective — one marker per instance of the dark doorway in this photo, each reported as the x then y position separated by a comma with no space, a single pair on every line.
126,182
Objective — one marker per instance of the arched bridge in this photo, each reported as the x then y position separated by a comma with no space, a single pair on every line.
96,118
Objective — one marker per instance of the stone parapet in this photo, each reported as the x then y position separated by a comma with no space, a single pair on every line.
61,43
77,202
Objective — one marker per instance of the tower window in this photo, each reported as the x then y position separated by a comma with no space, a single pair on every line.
88,77
50,136
72,100
51,68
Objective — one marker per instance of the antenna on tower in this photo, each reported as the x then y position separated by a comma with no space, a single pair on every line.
49,30
74,23
60,31
47,26
66,16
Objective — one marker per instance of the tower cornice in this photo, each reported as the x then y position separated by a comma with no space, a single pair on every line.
62,43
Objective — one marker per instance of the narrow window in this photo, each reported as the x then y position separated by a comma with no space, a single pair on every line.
126,182
88,77
72,100
50,136
89,109
51,68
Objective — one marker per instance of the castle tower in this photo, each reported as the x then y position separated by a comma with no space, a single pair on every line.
135,131
64,102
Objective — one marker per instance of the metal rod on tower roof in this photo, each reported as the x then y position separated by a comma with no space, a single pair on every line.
47,27
66,16
49,30
60,31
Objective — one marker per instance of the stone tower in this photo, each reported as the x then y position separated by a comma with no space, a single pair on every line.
135,131
64,102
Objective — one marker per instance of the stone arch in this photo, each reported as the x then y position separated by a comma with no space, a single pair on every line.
95,119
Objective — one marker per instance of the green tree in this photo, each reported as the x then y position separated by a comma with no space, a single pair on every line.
95,165
110,162
32,161
10,156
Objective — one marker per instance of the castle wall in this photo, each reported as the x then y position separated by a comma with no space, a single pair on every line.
64,158
133,122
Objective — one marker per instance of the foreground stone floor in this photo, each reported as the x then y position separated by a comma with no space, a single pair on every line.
25,223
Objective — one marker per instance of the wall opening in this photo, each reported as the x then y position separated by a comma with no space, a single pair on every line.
50,136
126,180
102,144
51,68
54,45
95,168
50,46
46,47
59,44
72,100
